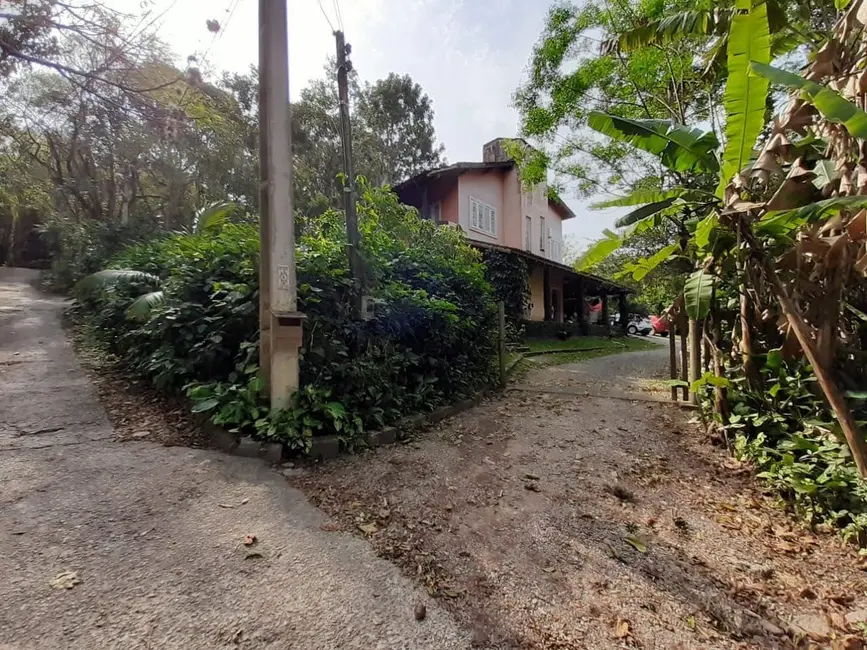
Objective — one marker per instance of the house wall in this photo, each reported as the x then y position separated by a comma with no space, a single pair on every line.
537,289
537,299
534,204
446,193
487,187
513,216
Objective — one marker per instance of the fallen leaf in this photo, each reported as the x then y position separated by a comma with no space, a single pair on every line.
807,593
621,629
549,569
255,555
636,543
531,476
249,540
420,612
690,622
65,580
532,487
367,528
329,527
225,505
451,593
245,501
848,643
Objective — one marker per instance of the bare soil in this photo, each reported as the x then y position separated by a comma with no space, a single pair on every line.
553,522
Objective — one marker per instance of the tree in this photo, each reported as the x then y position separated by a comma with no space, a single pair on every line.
793,254
569,79
392,134
401,115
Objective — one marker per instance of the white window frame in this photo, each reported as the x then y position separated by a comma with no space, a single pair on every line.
542,234
435,211
483,217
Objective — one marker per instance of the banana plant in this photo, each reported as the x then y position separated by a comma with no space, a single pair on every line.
143,305
685,150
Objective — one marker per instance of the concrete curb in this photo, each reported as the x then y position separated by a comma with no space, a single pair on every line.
328,447
244,446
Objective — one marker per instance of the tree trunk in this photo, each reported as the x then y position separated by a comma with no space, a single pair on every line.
857,444
751,371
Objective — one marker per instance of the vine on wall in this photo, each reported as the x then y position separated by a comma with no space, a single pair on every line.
509,276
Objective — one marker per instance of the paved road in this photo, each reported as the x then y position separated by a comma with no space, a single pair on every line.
146,530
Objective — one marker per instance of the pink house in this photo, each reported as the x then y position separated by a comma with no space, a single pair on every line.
488,201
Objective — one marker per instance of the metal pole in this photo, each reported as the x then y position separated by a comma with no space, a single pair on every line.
264,222
352,236
285,320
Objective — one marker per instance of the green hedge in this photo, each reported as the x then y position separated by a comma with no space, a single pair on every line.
433,340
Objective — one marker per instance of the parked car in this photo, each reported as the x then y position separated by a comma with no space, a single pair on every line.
660,325
636,325
639,325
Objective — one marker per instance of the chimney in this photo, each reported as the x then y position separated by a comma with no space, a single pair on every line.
493,151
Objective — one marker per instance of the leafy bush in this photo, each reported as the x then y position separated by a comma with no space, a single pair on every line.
791,437
80,248
433,340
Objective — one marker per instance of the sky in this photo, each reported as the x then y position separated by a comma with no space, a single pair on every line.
468,56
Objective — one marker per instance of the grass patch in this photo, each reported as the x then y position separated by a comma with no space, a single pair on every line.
587,342
580,352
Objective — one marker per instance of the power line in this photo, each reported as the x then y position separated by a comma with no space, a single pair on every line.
325,15
339,14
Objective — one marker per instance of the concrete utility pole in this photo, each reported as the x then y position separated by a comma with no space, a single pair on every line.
264,221
280,320
344,66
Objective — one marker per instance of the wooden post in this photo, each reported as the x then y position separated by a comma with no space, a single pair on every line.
546,292
624,312
721,403
684,353
352,237
582,307
694,354
672,359
264,224
501,309
605,320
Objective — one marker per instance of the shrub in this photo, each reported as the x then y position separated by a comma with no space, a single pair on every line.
793,440
432,341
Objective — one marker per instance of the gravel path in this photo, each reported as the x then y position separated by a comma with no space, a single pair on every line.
150,538
630,374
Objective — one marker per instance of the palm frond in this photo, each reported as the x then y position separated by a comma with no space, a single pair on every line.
142,307
107,277
214,215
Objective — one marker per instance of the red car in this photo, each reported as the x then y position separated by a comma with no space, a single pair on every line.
660,325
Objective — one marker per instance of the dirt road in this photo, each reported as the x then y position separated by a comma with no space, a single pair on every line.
150,539
554,522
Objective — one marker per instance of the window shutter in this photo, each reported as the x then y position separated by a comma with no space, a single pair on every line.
494,223
474,222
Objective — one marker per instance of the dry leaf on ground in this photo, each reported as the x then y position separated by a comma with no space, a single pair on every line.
249,540
65,580
621,629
